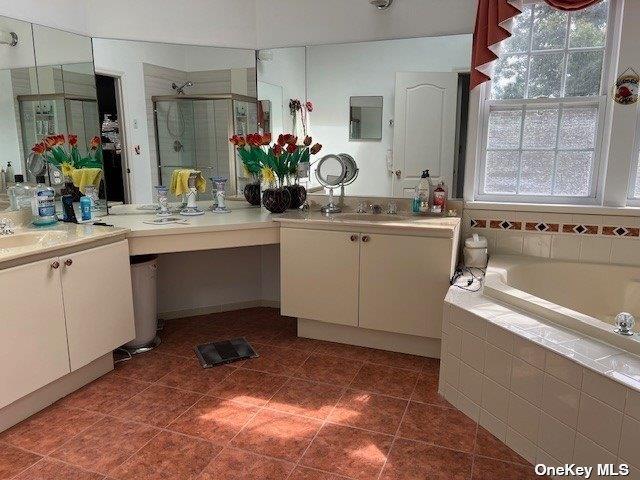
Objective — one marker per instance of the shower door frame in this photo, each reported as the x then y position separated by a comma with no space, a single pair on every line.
231,126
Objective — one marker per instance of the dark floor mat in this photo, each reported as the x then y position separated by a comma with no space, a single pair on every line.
228,351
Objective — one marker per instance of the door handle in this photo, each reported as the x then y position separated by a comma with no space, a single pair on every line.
68,262
354,237
55,265
398,173
366,238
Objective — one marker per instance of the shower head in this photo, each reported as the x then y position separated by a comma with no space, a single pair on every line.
8,38
180,88
381,4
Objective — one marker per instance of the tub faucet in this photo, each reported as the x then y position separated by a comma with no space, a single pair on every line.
624,324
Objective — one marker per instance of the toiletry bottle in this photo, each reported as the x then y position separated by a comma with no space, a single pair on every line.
425,188
3,181
19,194
9,174
439,199
415,204
85,208
43,204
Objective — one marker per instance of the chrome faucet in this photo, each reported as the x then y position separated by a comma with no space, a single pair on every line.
624,324
375,208
5,227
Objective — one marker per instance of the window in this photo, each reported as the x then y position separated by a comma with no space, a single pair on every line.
545,107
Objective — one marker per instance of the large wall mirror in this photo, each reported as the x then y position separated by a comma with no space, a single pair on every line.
398,107
49,109
171,107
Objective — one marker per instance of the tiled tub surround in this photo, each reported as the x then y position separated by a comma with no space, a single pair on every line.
552,395
564,236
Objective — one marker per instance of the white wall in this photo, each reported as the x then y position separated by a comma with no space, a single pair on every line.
224,23
311,22
68,15
338,72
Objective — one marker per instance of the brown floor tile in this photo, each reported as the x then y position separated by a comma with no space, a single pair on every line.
369,411
348,451
306,398
277,435
328,369
489,446
213,419
14,461
490,469
157,406
446,427
104,394
168,456
148,367
191,376
386,380
47,430
280,361
241,465
431,366
48,469
105,445
248,386
418,461
395,359
288,339
344,350
426,391
301,473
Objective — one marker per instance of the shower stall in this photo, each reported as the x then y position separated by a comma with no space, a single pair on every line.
193,131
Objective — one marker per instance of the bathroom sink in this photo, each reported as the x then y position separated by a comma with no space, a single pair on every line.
18,240
369,217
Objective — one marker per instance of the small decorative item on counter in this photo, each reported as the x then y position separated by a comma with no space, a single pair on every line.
626,89
162,194
9,173
422,196
220,203
476,252
43,206
68,213
439,199
85,208
277,163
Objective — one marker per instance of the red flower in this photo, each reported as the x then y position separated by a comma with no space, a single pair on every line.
266,139
73,140
292,147
39,148
316,148
235,140
307,141
95,143
277,150
288,138
281,140
59,139
50,142
309,106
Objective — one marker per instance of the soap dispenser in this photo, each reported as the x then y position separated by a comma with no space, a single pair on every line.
425,187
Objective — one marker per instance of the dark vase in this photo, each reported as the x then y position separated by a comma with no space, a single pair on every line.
252,193
276,200
298,195
70,189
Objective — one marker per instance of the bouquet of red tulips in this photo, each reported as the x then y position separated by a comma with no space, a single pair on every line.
63,152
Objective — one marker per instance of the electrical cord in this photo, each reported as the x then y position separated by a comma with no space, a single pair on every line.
477,275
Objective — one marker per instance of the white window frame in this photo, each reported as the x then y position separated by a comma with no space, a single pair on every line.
600,146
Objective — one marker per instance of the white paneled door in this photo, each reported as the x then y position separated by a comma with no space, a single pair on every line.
425,128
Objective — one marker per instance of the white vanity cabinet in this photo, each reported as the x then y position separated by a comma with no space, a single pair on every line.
59,314
379,281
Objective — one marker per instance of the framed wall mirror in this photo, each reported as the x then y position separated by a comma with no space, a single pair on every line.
365,118
407,109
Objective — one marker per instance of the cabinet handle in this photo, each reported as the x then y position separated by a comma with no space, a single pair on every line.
68,262
354,238
366,238
55,265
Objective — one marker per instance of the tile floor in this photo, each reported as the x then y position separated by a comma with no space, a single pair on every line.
304,410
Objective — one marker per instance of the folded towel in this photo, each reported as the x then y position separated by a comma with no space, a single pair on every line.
83,177
180,181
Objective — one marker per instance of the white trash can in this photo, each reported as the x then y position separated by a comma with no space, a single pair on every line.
144,280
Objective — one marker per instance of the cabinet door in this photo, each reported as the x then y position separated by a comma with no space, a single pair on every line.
98,301
403,282
33,339
319,275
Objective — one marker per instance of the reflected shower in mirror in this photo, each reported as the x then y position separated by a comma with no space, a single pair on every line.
406,101
179,106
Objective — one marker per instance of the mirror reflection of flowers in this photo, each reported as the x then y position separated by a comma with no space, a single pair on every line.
302,110
63,152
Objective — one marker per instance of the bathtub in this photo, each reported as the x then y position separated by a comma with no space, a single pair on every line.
584,297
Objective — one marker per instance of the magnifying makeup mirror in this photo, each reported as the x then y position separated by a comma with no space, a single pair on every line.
335,171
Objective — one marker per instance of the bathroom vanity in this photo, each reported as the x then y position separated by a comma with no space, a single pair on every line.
67,304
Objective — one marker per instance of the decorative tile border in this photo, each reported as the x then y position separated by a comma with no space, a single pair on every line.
542,227
563,228
505,225
580,229
621,231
